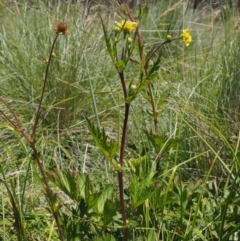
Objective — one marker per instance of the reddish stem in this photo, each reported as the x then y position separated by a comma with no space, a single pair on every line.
34,127
122,149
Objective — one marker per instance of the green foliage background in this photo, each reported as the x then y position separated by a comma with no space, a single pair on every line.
179,185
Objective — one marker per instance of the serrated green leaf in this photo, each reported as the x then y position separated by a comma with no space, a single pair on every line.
92,200
82,208
110,209
72,184
108,148
139,166
141,189
144,83
97,200
105,194
162,144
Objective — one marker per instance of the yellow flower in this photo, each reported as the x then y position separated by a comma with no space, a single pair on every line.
127,26
186,37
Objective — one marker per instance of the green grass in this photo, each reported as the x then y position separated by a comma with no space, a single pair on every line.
181,184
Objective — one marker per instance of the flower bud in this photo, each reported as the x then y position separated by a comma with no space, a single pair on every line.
133,87
116,40
53,55
169,37
116,29
129,40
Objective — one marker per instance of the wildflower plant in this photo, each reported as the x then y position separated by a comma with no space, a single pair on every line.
13,120
124,43
125,46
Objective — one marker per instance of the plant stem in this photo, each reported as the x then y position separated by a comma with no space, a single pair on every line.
34,127
123,211
145,66
122,149
47,187
31,140
153,109
32,143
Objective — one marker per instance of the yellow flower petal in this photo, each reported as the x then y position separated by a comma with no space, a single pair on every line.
186,37
127,26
